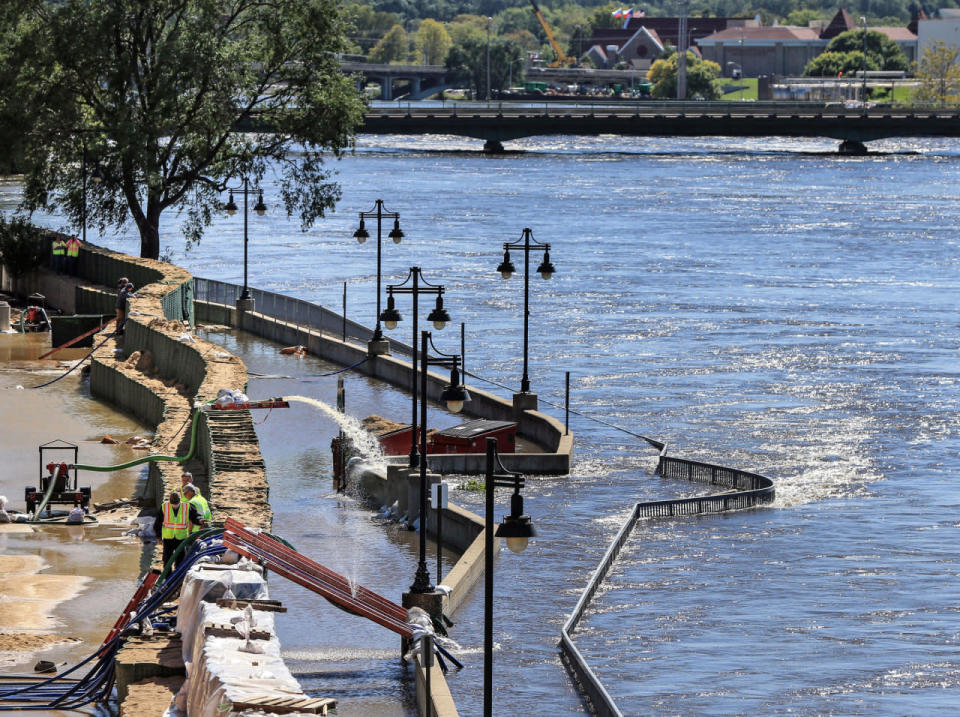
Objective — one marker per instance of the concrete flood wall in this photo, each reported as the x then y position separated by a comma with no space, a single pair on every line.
462,530
543,429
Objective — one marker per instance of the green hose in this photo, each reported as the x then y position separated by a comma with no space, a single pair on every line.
46,496
152,458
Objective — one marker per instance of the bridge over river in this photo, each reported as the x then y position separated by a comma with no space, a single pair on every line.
498,122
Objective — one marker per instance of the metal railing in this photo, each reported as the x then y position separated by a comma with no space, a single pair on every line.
752,489
290,310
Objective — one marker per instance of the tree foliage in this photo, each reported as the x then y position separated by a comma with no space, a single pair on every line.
939,74
393,47
833,64
468,57
701,77
881,50
22,248
158,90
432,42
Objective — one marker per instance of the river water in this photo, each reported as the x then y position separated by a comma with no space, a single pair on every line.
763,304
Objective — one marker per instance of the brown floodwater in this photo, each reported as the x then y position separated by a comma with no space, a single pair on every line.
70,580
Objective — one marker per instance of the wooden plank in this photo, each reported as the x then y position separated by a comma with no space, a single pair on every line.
263,605
286,705
230,631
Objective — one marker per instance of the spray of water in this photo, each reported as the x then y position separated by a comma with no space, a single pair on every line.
364,441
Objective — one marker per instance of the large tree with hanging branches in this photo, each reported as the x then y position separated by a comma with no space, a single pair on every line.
174,99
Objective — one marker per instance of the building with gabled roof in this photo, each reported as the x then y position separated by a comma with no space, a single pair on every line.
786,50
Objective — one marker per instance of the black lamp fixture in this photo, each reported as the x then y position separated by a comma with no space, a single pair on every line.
454,395
361,235
231,208
546,270
517,529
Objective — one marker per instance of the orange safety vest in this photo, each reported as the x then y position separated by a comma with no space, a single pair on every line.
73,247
175,523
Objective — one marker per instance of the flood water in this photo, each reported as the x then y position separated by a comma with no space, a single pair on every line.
763,304
70,580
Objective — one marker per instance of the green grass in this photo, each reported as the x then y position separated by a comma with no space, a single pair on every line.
749,91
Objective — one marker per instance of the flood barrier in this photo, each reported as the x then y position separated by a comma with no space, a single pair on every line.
750,490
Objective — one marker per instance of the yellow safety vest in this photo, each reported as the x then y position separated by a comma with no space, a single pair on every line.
175,521
73,247
203,508
59,247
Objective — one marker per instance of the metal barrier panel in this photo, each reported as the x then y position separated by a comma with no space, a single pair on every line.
761,490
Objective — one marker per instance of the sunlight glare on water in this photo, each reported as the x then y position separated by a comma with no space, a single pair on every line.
763,304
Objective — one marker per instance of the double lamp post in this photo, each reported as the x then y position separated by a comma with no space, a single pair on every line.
245,302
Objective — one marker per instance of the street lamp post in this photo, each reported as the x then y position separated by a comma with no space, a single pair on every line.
863,91
517,529
245,303
546,271
390,316
454,395
377,345
489,22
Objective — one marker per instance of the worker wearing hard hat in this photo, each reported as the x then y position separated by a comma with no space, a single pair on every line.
176,517
192,496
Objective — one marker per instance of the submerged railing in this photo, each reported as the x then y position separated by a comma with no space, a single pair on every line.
751,489
290,310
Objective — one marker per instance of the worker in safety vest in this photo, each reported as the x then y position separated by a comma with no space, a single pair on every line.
73,245
193,497
59,253
176,517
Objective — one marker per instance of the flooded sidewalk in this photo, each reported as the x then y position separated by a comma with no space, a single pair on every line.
60,585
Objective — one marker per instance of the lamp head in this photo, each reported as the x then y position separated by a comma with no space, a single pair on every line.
231,205
506,267
546,268
396,234
517,530
390,316
439,315
456,394
361,235
260,208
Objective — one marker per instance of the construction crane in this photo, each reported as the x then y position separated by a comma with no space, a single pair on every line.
561,58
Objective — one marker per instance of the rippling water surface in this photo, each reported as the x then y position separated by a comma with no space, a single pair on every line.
762,304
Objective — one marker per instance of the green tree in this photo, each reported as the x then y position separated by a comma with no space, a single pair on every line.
21,246
159,90
939,74
701,77
882,52
393,47
468,58
832,64
432,42
368,25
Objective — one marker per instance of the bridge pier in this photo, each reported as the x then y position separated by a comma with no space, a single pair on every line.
853,148
493,146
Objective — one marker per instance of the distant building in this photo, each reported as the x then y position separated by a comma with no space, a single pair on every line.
945,30
786,50
643,39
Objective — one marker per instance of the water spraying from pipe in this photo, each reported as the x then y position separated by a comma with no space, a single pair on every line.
363,441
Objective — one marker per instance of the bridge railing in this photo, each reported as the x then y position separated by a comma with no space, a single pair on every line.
751,489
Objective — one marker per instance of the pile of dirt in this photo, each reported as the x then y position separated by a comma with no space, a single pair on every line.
31,641
150,696
378,425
